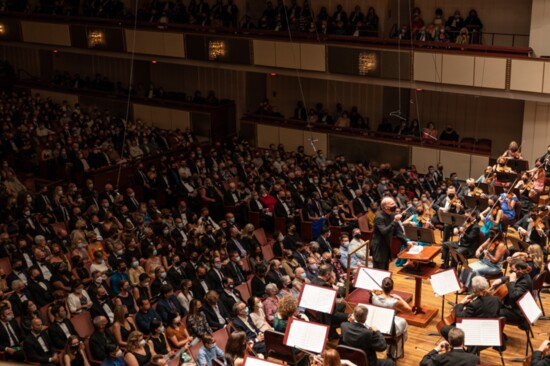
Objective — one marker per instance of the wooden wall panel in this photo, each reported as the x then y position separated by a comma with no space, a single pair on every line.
490,72
320,141
284,91
312,57
165,118
536,130
22,58
155,43
427,67
287,55
423,157
46,33
546,79
56,97
264,52
471,116
458,70
477,165
527,75
291,138
455,162
267,135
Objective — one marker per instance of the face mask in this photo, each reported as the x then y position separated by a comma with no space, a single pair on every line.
357,236
246,311
180,226
313,267
119,353
155,252
166,232
142,342
338,256
392,209
99,279
135,264
345,244
80,245
36,330
218,265
75,347
237,259
9,318
163,275
303,275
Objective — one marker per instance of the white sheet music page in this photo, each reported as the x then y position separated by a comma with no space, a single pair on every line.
381,318
480,332
254,361
445,282
529,307
317,298
365,282
308,336
416,249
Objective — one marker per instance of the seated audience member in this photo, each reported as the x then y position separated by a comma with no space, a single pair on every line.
451,352
176,331
139,351
369,339
242,322
123,325
209,351
11,336
230,295
145,316
61,328
38,347
237,348
168,303
196,320
215,311
158,339
101,338
75,352
257,314
115,356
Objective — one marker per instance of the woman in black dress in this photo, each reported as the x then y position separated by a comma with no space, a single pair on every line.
139,351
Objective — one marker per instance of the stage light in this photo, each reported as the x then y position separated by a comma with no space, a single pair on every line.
273,74
154,62
367,62
2,29
96,38
216,50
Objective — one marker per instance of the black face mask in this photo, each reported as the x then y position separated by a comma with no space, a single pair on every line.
393,209
451,195
357,236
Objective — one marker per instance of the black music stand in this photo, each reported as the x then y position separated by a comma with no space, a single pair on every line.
506,177
518,165
484,187
420,234
452,219
479,203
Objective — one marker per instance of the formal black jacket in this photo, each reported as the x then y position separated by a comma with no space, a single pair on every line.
98,344
211,316
384,228
470,239
214,279
228,300
176,276
17,304
258,287
57,336
538,360
359,336
4,337
516,290
481,307
239,325
167,305
324,245
274,277
198,289
33,349
97,309
457,357
234,271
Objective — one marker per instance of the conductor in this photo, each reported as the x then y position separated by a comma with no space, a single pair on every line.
385,223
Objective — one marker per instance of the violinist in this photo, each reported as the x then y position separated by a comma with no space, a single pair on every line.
393,301
479,304
453,204
508,201
525,185
518,283
450,353
528,228
501,166
541,357
487,176
468,235
472,190
491,216
539,177
490,254
513,151
534,257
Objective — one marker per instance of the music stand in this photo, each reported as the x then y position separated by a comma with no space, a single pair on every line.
518,165
479,203
506,177
452,219
484,187
419,234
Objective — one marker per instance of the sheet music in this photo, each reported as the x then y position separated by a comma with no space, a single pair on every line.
308,336
529,307
381,318
317,298
548,266
444,282
366,283
480,332
254,361
416,249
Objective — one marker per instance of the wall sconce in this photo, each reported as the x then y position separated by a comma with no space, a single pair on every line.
367,62
2,29
96,38
216,49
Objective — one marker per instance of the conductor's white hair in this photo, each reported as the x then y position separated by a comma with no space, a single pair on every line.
386,201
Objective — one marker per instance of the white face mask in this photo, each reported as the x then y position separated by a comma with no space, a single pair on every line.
142,342
119,353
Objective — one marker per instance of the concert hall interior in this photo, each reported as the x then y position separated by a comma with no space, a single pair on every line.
256,183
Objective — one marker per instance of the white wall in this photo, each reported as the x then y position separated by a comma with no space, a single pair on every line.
540,27
536,130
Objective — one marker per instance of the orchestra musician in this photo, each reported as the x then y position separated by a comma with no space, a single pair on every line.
453,204
491,216
500,167
513,151
517,283
508,201
472,190
467,241
450,353
541,357
528,229
538,178
525,185
487,176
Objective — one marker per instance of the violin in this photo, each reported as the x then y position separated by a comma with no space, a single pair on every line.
476,192
455,201
503,169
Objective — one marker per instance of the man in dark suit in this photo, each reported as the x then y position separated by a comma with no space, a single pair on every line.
291,238
384,227
538,358
274,274
234,270
38,347
61,328
369,339
454,353
300,254
468,240
19,296
11,336
518,282
168,303
215,275
215,311
324,244
101,338
360,206
200,284
102,305
242,322
176,274
131,201
234,243
230,296
178,234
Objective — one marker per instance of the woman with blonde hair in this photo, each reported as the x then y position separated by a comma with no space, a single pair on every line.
139,351
75,354
123,325
534,257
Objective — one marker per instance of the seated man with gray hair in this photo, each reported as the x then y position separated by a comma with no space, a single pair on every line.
451,352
